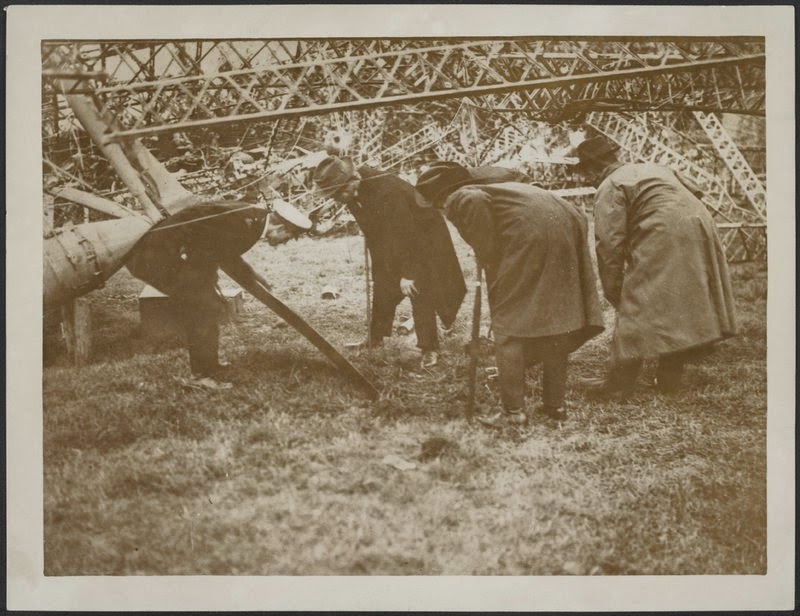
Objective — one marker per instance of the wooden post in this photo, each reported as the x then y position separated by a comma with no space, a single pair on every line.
369,294
76,322
475,341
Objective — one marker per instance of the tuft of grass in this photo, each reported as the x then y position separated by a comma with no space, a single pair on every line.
284,475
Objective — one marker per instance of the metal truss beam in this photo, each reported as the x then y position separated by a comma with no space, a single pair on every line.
713,88
132,61
546,78
735,161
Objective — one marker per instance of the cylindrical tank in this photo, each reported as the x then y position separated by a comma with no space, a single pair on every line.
80,258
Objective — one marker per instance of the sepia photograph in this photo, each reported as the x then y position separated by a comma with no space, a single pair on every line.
421,304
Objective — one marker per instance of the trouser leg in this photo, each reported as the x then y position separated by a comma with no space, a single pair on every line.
510,355
670,371
200,315
384,304
554,378
425,322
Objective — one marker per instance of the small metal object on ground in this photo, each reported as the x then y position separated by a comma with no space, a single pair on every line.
398,463
406,327
330,293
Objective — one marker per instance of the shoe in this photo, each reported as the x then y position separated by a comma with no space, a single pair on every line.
552,412
602,389
430,359
503,419
206,382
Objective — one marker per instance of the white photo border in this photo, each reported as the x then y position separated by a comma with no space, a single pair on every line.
27,588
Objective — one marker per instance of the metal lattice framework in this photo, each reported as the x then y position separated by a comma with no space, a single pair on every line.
145,93
417,142
406,101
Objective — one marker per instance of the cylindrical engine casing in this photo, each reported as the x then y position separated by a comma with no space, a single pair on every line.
80,258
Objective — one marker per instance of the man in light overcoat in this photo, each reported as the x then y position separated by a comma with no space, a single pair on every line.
661,264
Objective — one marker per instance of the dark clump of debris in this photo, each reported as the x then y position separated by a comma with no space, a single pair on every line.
436,447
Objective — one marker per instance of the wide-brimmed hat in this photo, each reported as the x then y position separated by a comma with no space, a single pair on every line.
290,214
593,149
439,182
332,174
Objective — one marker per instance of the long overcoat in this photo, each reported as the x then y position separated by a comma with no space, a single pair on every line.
534,248
407,241
661,263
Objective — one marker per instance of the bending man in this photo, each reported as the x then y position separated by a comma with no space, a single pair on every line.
410,247
661,264
542,290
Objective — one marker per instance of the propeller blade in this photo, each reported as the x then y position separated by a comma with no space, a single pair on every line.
241,271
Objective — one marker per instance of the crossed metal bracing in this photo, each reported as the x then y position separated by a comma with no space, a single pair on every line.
405,102
734,160
132,61
163,86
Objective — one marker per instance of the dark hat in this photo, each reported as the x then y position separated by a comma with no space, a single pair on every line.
438,182
444,163
333,173
594,149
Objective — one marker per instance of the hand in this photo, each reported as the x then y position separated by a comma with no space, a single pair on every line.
408,288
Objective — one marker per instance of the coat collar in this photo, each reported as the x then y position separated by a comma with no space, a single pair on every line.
607,171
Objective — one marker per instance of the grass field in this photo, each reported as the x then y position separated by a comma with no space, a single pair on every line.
284,475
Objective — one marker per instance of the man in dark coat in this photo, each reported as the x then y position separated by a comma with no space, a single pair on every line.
542,288
179,256
410,247
661,264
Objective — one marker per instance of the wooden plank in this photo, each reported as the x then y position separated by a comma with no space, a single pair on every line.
240,271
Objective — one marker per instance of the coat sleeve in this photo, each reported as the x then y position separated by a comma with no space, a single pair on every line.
524,178
402,234
358,213
610,230
470,211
